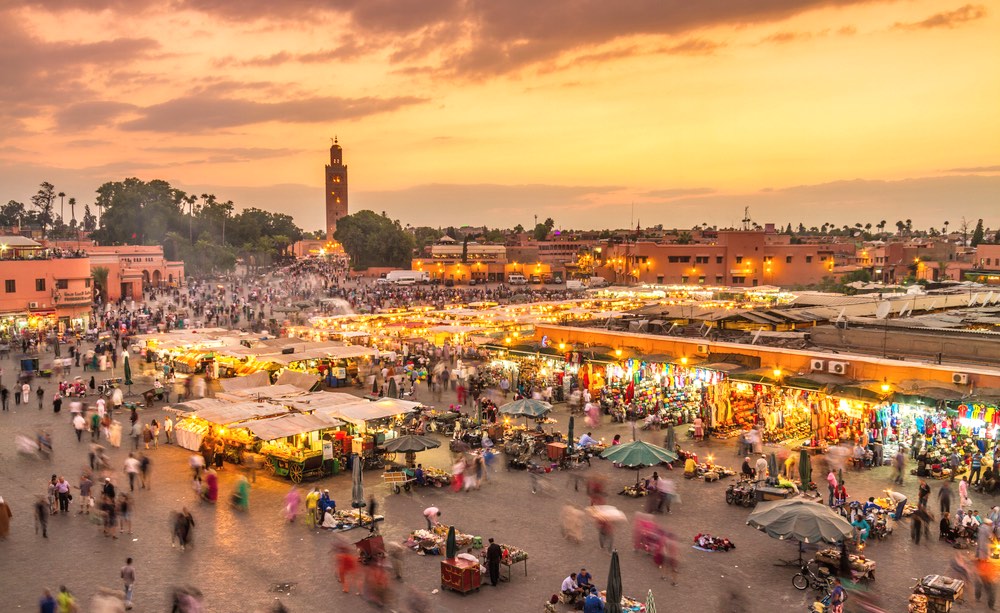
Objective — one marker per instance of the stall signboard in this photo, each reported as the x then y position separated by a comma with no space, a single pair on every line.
340,372
327,450
69,297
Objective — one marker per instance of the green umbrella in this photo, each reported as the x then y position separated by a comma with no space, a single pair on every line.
805,468
638,454
450,548
569,434
614,593
526,407
128,371
650,605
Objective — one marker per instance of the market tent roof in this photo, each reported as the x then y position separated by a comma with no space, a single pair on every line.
200,404
319,401
227,414
285,425
758,375
264,391
858,391
364,410
300,380
526,407
815,381
256,379
721,366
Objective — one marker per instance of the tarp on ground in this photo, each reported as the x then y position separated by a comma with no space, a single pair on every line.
256,379
227,414
285,425
301,380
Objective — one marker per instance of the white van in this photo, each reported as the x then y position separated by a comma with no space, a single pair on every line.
516,278
407,277
597,282
575,284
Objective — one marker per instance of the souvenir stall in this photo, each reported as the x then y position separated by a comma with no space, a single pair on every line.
657,390
432,542
369,424
509,556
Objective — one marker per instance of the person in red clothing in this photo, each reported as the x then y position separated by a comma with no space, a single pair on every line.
347,566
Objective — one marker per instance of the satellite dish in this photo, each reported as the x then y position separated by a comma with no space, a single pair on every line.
883,309
756,336
988,299
841,316
973,299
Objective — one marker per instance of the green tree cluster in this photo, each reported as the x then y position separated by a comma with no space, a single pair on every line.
374,240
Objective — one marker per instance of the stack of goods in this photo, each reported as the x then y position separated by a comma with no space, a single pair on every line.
347,520
512,555
727,431
831,557
631,605
436,477
633,491
427,542
917,604
707,542
890,506
713,472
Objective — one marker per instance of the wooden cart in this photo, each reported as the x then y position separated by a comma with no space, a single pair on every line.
298,468
460,575
398,480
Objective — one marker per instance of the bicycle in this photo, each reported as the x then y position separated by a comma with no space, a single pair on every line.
818,580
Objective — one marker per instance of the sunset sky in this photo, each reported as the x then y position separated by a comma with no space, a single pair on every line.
455,112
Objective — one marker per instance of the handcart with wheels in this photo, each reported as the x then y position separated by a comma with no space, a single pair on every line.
398,479
371,549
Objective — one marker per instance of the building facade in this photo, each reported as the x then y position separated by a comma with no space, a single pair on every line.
336,189
738,258
42,289
131,268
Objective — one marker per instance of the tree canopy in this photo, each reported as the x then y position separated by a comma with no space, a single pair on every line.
374,240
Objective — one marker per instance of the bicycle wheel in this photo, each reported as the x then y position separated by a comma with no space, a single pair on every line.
800,581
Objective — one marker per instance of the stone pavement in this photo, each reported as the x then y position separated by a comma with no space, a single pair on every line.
238,559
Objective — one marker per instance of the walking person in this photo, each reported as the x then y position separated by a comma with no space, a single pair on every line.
128,578
168,429
944,497
898,465
42,516
62,492
4,396
131,469
145,476
40,393
79,424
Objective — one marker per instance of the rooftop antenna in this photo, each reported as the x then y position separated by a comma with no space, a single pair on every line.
746,218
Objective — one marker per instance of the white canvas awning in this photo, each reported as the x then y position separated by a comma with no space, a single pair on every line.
365,411
300,380
257,379
285,425
226,414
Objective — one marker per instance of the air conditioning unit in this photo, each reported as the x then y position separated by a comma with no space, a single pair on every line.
703,349
960,378
837,368
32,305
817,365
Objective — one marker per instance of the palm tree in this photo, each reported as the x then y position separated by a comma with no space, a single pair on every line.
946,226
72,208
190,200
62,205
881,226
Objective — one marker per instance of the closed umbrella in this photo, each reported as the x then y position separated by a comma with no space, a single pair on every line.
614,593
357,487
772,464
650,605
375,386
128,373
670,441
411,442
569,432
392,388
805,468
451,547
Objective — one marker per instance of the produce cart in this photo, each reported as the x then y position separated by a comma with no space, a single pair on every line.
935,594
509,557
298,467
862,569
303,458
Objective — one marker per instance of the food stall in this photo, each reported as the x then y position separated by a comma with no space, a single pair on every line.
509,556
371,424
209,417
296,445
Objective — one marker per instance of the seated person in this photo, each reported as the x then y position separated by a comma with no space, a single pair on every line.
988,482
325,502
587,441
870,506
617,440
593,603
970,522
328,521
550,606
690,467
570,589
487,442
863,527
747,469
418,475
946,531
584,579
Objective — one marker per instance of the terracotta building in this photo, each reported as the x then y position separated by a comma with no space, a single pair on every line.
133,267
42,288
741,258
336,189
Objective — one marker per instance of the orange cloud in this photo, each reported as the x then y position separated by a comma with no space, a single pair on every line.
949,19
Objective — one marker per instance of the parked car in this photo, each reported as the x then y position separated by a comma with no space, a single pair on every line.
536,279
449,283
547,279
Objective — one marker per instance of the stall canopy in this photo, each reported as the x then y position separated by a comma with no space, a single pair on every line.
815,381
226,414
257,379
365,411
301,380
200,404
285,425
319,401
270,392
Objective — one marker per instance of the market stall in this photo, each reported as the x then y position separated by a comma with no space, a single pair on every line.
295,445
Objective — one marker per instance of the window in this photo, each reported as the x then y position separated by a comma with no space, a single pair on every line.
739,280
788,259
701,280
9,286
674,259
701,259
718,279
62,284
684,279
86,283
739,259
809,259
718,259
768,258
39,285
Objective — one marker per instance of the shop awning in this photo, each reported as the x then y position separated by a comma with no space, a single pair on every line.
365,411
300,380
319,401
857,392
726,367
759,375
200,404
240,411
269,392
815,382
286,425
257,379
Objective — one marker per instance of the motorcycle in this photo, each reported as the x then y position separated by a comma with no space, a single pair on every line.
741,493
